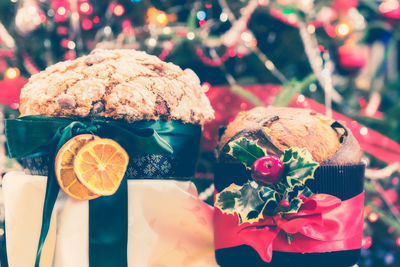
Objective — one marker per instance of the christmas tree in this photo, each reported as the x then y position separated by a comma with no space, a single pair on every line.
341,54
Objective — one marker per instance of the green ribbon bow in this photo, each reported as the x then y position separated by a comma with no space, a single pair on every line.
108,215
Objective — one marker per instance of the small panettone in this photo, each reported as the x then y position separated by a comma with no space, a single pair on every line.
118,84
277,129
289,186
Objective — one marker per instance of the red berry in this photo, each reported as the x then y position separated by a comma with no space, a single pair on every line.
267,170
284,203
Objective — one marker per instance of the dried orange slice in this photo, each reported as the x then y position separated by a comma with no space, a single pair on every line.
64,168
100,165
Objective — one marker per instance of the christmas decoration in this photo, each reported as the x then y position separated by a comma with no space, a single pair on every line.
250,200
390,9
267,170
10,90
352,57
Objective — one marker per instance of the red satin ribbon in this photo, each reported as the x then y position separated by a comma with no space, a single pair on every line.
323,224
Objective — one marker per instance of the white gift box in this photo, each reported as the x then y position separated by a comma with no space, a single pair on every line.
168,225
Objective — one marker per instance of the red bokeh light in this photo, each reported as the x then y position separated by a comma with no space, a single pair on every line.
118,10
87,24
367,242
373,217
232,52
70,55
64,43
62,13
62,30
206,86
85,8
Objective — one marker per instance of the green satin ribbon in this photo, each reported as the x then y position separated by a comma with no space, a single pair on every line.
108,215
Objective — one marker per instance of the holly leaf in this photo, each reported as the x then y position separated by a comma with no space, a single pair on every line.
226,199
245,150
299,165
293,182
247,201
267,193
305,192
250,205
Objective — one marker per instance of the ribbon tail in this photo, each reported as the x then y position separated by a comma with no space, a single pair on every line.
52,189
108,229
260,240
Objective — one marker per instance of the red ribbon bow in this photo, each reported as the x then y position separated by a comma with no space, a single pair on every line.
323,223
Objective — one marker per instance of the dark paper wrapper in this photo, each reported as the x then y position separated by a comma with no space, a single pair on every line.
147,166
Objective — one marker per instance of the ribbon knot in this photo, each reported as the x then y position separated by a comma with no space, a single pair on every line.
323,223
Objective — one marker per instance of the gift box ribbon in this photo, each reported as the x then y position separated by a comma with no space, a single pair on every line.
323,224
108,215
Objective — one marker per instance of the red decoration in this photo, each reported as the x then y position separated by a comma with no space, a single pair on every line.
326,225
352,56
267,170
127,27
10,91
213,62
390,9
29,64
7,53
344,5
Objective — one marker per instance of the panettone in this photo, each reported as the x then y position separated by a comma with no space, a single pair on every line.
278,129
118,84
265,181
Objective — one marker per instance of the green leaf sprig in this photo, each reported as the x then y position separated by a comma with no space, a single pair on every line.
252,201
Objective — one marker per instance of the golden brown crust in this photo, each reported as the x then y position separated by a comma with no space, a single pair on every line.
294,127
122,84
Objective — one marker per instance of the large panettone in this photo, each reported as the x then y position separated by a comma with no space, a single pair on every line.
119,84
110,107
278,129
